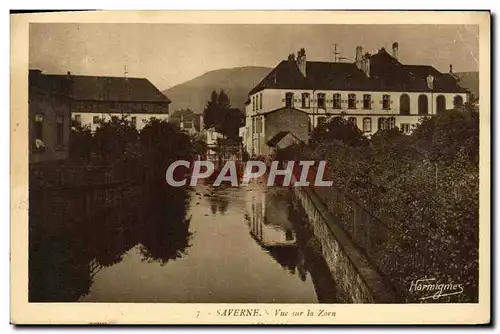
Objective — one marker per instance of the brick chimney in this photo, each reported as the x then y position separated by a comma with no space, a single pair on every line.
302,61
395,50
359,57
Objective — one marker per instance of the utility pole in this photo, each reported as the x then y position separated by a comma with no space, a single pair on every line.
335,53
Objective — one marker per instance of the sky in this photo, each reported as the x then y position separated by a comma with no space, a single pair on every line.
169,54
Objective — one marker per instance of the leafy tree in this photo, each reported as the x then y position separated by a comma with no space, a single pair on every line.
210,111
113,137
338,129
447,134
162,143
80,142
219,115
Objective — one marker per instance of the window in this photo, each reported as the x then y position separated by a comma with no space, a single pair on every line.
382,125
386,102
337,102
321,101
440,104
259,124
253,103
253,124
59,130
38,127
306,100
257,102
289,100
95,120
405,127
367,124
367,101
260,105
391,123
351,101
352,120
458,101
133,120
321,120
423,105
78,119
404,104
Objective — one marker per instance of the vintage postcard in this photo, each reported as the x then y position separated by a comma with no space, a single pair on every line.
239,167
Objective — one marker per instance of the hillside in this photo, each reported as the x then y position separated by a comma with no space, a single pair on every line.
237,82
469,80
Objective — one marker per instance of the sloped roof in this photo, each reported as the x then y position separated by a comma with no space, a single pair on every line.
97,88
278,137
386,74
115,89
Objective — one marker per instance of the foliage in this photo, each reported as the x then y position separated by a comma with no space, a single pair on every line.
410,201
451,133
338,129
80,143
220,115
112,138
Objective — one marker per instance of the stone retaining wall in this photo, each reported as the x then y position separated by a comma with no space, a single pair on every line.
350,268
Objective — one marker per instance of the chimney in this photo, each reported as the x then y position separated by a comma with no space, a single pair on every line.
366,64
301,61
68,73
430,81
395,50
359,57
451,69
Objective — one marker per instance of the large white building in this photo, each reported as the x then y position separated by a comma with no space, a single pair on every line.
374,92
95,98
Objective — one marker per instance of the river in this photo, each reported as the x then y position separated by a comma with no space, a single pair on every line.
207,244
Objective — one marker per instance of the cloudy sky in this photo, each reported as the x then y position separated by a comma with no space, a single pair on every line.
170,54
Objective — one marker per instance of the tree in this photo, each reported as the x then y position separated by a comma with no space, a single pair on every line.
219,115
210,111
113,137
80,142
163,143
444,136
338,129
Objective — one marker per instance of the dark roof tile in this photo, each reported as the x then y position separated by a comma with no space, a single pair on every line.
386,74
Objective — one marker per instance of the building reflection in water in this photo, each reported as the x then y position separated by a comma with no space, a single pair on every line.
267,213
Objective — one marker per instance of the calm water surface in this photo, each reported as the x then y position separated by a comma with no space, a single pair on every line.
235,245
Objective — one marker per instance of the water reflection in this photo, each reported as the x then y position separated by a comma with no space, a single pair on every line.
180,245
67,251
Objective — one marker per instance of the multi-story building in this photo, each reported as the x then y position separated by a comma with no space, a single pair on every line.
96,98
374,92
49,117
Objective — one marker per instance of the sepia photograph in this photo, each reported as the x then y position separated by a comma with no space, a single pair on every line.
250,171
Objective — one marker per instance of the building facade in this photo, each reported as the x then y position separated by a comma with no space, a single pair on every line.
49,117
375,92
96,99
